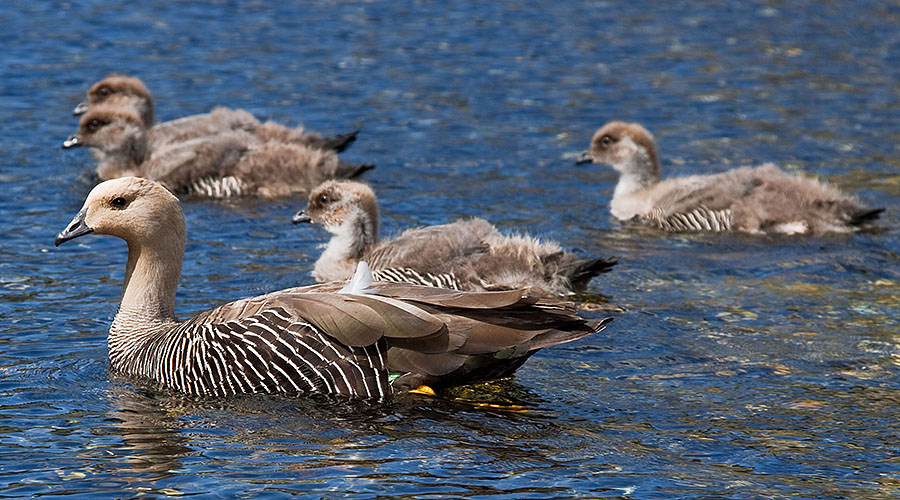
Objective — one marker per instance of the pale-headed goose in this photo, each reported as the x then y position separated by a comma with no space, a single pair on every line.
755,200
468,254
365,340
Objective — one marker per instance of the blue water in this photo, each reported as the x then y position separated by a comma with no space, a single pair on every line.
737,367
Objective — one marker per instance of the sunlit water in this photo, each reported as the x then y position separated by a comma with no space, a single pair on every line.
737,367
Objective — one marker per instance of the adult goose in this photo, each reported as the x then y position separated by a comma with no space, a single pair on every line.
367,340
755,200
466,255
131,93
233,163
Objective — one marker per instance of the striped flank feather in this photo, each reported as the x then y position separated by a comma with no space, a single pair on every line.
409,275
699,219
269,352
213,187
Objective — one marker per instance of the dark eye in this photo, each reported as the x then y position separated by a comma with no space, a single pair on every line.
118,202
323,199
103,92
95,124
606,140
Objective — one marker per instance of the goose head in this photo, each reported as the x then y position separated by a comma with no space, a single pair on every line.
123,91
349,211
112,130
627,147
335,204
140,211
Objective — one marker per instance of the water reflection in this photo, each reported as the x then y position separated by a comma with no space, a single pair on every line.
410,444
151,440
414,444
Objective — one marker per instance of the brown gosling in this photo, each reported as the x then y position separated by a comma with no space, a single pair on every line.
755,200
234,163
365,340
467,255
130,92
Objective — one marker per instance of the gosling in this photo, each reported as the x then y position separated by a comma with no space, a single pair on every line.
131,93
228,164
755,200
466,255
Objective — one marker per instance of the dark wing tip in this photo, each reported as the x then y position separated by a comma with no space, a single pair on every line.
865,215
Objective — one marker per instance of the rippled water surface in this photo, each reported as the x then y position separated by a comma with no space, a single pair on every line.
737,367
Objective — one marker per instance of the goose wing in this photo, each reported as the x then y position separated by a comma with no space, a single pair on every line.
434,249
706,202
180,166
217,121
489,334
431,335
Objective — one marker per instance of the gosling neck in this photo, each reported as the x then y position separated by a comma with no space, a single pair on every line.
145,105
348,245
125,160
637,171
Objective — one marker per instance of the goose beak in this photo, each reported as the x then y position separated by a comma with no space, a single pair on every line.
75,228
72,142
81,108
301,217
584,157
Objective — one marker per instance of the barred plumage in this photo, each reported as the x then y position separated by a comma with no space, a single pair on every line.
212,187
268,352
408,275
699,219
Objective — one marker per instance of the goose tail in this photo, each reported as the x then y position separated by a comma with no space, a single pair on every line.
339,143
581,271
351,170
865,215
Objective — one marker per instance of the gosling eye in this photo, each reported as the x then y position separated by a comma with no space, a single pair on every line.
323,199
103,92
606,140
118,203
94,124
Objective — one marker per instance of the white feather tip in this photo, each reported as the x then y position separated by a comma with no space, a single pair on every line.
361,281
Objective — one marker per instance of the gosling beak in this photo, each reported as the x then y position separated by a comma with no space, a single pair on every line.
75,229
301,217
72,142
81,108
584,157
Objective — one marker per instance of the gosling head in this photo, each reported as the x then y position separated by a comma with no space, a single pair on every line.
139,211
120,91
341,205
109,129
627,147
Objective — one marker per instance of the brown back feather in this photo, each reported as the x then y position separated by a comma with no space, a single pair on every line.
432,332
